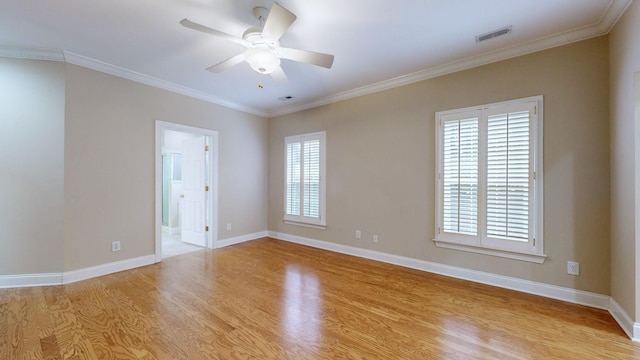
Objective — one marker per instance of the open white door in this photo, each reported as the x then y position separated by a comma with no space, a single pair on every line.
193,188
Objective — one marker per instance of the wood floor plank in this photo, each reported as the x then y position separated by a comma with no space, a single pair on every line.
50,349
5,301
26,321
268,299
72,339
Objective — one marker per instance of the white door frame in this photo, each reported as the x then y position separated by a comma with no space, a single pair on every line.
211,210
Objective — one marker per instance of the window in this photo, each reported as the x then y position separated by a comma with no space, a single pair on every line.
304,180
489,179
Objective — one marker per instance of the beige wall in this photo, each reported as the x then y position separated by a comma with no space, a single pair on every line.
86,177
380,163
31,166
109,165
625,163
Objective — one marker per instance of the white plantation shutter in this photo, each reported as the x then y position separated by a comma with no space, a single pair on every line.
292,190
312,178
489,179
460,176
508,175
304,179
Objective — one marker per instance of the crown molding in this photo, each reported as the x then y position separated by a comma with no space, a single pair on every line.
606,22
97,65
93,64
31,54
603,26
615,11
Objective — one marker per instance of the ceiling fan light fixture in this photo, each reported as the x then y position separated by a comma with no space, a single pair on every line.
262,60
263,52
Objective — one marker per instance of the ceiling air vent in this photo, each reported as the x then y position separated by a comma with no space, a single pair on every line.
493,34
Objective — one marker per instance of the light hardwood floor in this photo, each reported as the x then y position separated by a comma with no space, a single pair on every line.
268,299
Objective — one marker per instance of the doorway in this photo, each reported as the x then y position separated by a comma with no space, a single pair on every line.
186,161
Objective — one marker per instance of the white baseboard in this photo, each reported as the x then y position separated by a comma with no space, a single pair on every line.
631,328
106,269
624,320
242,238
621,316
26,280
550,291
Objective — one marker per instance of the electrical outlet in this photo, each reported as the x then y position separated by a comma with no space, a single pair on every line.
228,226
375,238
115,246
358,234
573,268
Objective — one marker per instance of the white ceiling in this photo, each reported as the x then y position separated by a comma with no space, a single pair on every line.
377,44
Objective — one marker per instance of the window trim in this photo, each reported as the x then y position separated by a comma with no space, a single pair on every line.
301,220
480,243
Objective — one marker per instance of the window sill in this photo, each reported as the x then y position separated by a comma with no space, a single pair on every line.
530,257
313,226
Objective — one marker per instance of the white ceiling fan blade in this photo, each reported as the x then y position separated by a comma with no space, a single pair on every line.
278,75
224,65
309,57
277,23
195,26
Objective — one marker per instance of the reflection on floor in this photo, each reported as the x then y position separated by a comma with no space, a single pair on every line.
172,245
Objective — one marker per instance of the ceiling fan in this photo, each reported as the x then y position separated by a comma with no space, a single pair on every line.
263,46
